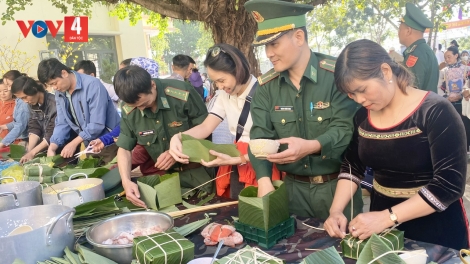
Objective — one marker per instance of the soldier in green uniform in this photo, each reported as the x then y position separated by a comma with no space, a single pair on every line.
419,57
154,111
297,102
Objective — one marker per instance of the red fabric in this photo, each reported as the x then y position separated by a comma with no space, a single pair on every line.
246,174
140,157
6,115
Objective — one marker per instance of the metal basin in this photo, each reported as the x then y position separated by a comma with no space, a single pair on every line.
19,194
55,194
52,231
129,222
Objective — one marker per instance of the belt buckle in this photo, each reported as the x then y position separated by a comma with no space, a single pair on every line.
317,179
179,168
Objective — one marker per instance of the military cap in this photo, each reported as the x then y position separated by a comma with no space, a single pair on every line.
275,18
415,18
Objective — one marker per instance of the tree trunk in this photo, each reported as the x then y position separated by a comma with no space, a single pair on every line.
234,26
431,30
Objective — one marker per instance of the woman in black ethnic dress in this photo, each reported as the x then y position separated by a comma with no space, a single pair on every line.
415,142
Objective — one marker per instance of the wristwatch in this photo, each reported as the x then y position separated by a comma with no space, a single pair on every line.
393,216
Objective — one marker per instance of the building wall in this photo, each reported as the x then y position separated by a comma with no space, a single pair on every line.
130,40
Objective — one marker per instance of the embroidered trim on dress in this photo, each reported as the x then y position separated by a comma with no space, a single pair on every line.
390,135
431,198
350,177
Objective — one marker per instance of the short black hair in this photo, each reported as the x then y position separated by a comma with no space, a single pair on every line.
50,69
126,62
27,85
181,61
454,42
12,75
439,46
191,60
230,60
130,82
87,66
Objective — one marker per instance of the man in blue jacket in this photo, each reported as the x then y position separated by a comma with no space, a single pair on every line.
84,109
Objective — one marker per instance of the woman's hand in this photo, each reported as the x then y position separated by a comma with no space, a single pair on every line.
176,149
336,225
366,224
221,160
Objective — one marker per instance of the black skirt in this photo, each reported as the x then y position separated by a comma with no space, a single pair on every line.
448,228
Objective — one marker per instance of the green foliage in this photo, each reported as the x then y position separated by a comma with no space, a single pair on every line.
11,58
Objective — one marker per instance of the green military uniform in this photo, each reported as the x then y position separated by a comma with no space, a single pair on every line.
179,108
419,57
316,111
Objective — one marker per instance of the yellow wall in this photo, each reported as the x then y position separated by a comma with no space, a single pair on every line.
130,40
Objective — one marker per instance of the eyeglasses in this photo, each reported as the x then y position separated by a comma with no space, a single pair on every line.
215,51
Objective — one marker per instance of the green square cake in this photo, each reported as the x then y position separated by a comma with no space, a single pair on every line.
163,248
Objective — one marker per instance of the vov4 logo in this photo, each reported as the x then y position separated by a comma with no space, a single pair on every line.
75,28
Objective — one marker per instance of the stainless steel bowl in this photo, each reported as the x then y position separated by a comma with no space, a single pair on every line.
129,222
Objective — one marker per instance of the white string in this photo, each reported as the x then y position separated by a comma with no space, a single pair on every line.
352,196
318,228
206,183
256,253
159,245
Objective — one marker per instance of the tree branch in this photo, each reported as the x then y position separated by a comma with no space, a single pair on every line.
384,16
180,11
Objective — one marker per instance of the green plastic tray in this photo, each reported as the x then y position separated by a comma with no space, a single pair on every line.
266,239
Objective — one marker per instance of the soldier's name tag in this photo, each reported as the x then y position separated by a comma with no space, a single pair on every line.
283,108
146,133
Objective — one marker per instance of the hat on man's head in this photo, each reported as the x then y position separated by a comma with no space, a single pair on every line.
415,18
275,18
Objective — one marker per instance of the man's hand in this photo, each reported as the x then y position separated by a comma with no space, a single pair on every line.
265,186
27,157
165,161
176,150
221,160
296,150
133,194
50,153
68,151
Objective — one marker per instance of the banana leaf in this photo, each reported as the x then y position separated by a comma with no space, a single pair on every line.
17,151
92,172
263,212
329,255
375,247
249,255
88,163
165,190
192,227
198,149
87,256
148,195
59,260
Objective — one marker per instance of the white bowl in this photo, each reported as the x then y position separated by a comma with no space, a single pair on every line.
206,260
415,257
261,148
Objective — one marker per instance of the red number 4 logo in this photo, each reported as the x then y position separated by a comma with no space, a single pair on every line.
75,29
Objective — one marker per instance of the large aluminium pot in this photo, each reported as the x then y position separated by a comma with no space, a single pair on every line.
130,222
52,232
55,194
19,194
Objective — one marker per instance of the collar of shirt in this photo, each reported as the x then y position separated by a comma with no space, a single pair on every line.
247,90
162,101
309,73
410,48
176,76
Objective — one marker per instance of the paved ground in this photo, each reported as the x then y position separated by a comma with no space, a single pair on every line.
466,196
